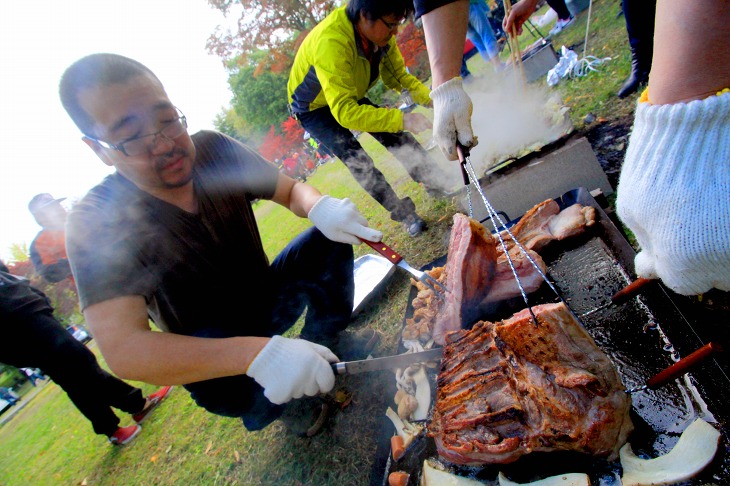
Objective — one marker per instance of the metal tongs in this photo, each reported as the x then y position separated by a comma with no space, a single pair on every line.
470,177
396,259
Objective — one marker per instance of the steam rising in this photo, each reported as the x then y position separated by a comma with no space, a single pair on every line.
512,119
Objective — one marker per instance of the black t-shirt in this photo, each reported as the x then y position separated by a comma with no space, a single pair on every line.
425,6
195,271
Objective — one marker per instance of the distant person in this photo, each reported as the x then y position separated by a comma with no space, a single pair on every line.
33,338
8,395
48,248
480,32
336,65
171,236
640,17
33,375
565,18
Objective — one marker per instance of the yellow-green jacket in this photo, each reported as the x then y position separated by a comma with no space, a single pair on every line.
330,69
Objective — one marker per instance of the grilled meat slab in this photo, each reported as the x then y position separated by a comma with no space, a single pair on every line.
469,271
509,388
545,222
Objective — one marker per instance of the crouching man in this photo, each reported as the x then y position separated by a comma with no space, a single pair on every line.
171,236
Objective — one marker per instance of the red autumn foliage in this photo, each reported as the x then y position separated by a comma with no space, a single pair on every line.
272,147
276,146
412,44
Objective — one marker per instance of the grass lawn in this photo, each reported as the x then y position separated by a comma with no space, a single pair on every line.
49,442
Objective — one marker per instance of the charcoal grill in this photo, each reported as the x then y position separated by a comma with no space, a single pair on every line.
642,337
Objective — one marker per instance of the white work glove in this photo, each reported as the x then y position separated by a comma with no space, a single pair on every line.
452,117
674,193
291,368
339,220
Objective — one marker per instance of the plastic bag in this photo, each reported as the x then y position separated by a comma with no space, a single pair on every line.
565,64
570,65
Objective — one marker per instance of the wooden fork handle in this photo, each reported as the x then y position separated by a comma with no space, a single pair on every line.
683,365
389,253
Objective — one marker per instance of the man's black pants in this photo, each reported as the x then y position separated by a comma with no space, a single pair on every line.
38,340
321,124
312,272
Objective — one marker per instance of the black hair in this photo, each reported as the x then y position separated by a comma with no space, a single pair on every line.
93,71
375,9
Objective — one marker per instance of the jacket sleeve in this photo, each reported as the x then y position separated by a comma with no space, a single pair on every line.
336,72
52,272
396,77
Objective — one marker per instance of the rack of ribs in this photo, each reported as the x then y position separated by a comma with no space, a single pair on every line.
509,388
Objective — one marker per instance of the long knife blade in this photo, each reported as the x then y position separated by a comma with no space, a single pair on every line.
386,363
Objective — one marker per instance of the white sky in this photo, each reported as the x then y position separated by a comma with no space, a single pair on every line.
40,148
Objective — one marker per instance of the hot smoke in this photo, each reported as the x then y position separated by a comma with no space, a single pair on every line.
512,119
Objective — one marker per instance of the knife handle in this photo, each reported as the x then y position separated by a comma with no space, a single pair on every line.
389,253
339,368
631,290
683,365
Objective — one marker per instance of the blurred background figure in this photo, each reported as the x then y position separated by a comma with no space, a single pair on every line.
564,16
33,375
640,16
480,32
34,338
48,248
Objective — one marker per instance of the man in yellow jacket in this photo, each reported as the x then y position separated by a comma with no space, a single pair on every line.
335,66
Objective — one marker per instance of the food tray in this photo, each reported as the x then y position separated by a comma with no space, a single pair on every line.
642,337
371,272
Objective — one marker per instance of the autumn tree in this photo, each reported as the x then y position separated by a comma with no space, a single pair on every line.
259,95
272,147
412,45
277,143
268,25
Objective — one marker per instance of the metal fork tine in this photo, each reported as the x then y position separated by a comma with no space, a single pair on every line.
426,278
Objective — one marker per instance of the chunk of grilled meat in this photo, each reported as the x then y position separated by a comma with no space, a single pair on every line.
509,388
545,222
469,271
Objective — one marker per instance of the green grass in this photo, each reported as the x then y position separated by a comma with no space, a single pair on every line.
50,443
595,93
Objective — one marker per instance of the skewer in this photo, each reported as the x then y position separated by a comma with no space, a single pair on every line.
514,45
468,169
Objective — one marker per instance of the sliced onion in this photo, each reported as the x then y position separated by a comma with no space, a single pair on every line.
436,477
694,450
571,479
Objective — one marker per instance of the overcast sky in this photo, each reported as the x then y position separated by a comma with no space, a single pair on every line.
40,148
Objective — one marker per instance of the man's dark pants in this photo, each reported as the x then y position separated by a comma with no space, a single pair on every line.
38,340
321,124
312,272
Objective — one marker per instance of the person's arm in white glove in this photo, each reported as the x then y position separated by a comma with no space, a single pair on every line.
452,117
291,368
339,220
674,189
445,32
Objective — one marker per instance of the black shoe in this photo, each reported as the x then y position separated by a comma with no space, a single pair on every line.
640,67
414,225
307,416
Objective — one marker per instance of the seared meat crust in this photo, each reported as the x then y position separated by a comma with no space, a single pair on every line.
509,388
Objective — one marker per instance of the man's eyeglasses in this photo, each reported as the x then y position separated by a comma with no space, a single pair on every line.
145,143
393,25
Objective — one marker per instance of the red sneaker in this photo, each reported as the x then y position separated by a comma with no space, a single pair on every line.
152,402
124,435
